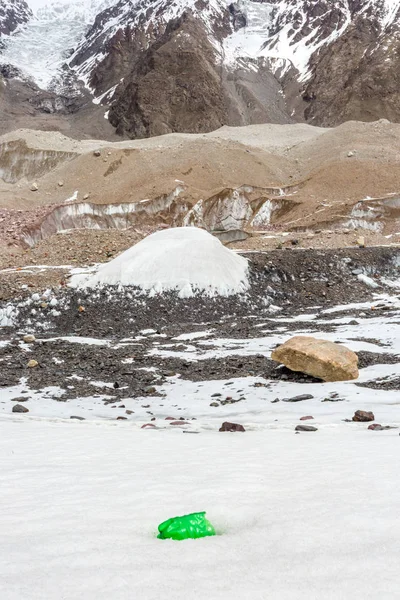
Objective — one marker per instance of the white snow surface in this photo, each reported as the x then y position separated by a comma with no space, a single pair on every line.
299,517
185,259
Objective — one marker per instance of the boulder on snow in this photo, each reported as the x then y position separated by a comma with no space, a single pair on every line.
226,426
18,408
363,416
320,358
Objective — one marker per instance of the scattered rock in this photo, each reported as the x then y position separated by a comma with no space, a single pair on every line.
32,364
226,426
148,425
122,418
77,418
34,187
81,309
29,338
19,399
216,395
306,428
351,153
60,184
361,241
307,418
320,358
214,404
18,408
179,423
129,412
97,153
299,398
363,416
150,390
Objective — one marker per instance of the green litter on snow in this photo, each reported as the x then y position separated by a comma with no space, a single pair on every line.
191,526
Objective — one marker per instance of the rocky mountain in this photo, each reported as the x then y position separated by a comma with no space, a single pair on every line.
159,66
12,14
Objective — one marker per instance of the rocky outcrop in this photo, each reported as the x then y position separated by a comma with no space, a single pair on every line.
357,77
319,358
174,86
194,65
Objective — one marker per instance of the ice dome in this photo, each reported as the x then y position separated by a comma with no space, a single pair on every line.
185,259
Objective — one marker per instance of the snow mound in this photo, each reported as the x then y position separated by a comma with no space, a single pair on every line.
184,259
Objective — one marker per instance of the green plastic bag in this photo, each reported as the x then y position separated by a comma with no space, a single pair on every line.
191,526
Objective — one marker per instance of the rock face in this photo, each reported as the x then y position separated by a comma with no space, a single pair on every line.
173,87
319,358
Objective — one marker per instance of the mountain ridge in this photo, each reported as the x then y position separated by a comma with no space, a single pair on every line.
251,61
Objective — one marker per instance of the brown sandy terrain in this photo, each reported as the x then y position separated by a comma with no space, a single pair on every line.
314,177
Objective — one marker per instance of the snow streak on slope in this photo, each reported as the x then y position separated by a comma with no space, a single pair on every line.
41,47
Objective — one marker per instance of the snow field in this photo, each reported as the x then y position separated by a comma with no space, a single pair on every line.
305,516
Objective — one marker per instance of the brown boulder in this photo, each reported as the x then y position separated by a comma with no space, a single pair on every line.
363,416
226,426
320,358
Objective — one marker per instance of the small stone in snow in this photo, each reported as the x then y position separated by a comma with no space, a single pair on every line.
306,428
150,390
216,395
363,416
226,426
122,418
307,418
29,338
18,408
148,425
214,404
77,418
129,412
299,398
